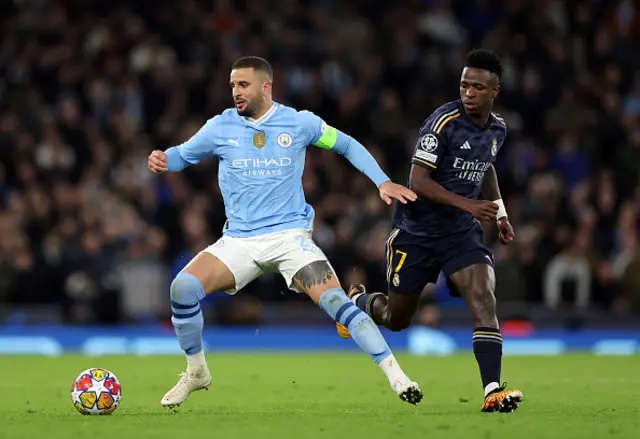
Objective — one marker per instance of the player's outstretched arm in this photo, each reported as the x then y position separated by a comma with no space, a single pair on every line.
362,160
491,191
327,137
426,187
191,152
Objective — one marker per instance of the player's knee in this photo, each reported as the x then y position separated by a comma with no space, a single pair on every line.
398,322
399,325
483,306
484,298
185,289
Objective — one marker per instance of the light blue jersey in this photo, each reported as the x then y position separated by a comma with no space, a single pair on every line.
261,165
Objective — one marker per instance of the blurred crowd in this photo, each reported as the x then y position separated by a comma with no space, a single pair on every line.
89,88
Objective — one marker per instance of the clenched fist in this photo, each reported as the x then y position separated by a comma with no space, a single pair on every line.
158,162
482,209
506,231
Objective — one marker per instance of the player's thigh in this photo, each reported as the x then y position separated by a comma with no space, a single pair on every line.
303,265
476,279
224,266
212,273
412,263
469,266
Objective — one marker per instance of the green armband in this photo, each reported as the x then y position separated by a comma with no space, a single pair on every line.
328,138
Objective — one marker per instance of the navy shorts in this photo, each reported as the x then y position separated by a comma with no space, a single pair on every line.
414,261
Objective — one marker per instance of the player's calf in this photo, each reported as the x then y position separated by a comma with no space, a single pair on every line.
393,311
476,283
487,339
204,274
186,292
318,280
368,337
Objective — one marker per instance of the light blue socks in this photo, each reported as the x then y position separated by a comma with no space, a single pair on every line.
186,294
362,328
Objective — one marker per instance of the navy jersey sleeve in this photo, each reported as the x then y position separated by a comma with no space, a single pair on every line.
430,148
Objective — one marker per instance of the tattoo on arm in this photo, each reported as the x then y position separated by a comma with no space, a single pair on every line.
316,273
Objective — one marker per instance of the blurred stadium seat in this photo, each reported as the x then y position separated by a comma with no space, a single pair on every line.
89,88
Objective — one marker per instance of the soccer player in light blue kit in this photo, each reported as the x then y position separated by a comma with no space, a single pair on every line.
261,147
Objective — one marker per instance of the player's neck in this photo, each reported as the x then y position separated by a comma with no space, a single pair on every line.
480,120
263,109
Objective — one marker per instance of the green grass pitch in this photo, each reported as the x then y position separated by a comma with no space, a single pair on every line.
341,396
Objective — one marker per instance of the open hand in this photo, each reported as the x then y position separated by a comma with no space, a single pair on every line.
390,191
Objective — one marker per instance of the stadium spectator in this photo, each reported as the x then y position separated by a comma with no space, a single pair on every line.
88,89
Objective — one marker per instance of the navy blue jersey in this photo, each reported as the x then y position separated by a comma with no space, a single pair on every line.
458,152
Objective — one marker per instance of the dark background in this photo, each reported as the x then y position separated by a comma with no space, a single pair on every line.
89,88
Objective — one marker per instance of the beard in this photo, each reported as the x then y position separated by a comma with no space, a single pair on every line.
250,107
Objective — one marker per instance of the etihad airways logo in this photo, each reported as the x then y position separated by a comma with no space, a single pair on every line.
261,167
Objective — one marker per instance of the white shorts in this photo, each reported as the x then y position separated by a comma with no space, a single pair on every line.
285,252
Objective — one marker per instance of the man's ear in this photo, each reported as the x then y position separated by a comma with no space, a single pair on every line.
495,92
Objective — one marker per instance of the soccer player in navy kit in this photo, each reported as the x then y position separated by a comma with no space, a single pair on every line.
441,231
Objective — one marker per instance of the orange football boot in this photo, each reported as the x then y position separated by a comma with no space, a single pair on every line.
502,400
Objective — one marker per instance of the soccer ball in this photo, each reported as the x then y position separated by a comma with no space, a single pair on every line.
96,392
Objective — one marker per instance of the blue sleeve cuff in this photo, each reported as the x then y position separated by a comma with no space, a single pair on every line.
175,162
360,158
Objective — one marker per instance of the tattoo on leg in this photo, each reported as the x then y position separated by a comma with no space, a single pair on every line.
316,273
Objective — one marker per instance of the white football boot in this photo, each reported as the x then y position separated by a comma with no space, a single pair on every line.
190,381
408,391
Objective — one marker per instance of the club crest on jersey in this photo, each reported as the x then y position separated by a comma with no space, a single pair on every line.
494,147
429,143
259,140
284,140
396,280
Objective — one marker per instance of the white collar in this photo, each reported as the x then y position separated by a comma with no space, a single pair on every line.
264,117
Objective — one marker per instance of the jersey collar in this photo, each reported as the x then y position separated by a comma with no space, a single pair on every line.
266,116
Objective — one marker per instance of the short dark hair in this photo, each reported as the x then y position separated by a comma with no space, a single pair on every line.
253,62
484,59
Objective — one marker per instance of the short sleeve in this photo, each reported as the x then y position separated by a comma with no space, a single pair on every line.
202,144
429,149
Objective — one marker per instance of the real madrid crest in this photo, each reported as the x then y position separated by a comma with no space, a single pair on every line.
494,147
284,140
259,140
396,280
